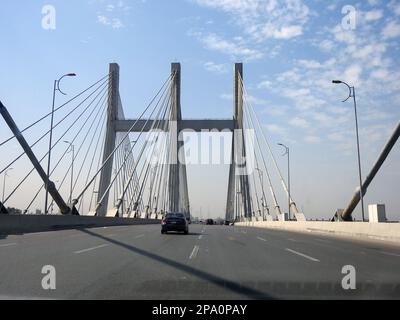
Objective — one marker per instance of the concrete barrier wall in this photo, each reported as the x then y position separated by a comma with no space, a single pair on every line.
17,224
381,231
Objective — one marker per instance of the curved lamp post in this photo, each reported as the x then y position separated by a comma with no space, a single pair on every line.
55,89
287,152
352,94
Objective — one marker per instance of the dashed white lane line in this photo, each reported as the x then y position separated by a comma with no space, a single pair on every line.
302,255
193,255
200,237
262,239
91,249
7,245
139,236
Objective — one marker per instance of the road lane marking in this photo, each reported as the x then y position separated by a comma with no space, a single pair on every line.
302,255
7,245
194,252
139,236
262,239
244,232
293,240
91,249
200,237
390,254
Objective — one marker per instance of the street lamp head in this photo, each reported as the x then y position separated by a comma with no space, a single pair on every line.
71,75
336,81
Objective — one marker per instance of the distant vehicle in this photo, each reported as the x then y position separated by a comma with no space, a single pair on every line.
175,221
227,223
210,222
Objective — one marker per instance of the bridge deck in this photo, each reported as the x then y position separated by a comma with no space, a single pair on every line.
213,262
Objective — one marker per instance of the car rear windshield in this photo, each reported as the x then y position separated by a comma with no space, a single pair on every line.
175,215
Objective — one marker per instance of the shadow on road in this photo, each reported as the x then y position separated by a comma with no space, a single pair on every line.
221,282
193,234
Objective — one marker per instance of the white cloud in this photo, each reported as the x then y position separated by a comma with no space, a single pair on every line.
216,68
299,123
265,19
112,15
312,139
285,32
373,15
391,30
115,23
275,129
352,74
266,84
233,48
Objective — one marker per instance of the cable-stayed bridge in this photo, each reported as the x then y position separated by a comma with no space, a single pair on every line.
107,170
133,167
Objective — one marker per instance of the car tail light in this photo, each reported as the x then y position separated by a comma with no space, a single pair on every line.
164,222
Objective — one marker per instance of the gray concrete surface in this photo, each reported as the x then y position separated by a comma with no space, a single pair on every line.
18,224
362,230
212,262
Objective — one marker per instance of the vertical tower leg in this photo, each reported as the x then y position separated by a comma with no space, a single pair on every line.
109,143
174,172
244,178
230,203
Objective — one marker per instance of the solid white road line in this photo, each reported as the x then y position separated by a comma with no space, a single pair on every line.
194,252
390,254
7,245
91,249
262,239
303,255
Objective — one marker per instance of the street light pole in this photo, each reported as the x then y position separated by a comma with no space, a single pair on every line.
352,94
262,189
288,170
72,169
55,89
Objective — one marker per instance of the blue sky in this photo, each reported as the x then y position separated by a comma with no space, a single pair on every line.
291,49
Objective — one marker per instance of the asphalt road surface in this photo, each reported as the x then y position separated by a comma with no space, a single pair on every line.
212,262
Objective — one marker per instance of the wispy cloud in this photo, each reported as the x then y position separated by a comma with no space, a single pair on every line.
265,19
113,14
216,68
235,48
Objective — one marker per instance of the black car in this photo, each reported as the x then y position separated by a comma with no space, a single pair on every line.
175,222
210,222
